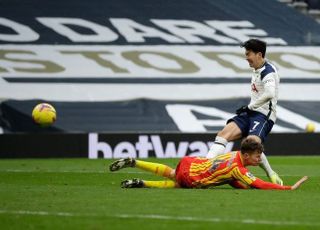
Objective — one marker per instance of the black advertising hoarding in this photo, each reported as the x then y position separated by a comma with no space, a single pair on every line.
43,145
143,145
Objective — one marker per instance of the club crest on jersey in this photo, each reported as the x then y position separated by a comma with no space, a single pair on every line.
254,88
249,174
216,164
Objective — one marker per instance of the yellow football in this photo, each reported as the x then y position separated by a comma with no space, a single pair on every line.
44,114
310,127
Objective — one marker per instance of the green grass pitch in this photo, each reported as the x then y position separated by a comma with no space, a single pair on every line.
83,194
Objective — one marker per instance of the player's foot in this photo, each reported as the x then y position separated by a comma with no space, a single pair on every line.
122,163
134,183
274,178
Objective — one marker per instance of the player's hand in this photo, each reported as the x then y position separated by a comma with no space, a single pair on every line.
242,109
299,182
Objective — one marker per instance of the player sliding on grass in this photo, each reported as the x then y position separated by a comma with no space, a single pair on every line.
257,118
198,172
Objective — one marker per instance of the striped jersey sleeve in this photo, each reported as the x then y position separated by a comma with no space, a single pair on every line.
242,175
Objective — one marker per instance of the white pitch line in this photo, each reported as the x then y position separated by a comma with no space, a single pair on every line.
36,213
163,217
217,219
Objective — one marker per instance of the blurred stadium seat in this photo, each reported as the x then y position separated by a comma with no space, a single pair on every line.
310,7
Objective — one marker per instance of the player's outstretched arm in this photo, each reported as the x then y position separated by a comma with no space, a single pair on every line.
299,183
260,184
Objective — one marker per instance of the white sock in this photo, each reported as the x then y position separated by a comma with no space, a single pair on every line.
218,147
265,165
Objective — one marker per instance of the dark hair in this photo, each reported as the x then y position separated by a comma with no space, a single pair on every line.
251,145
256,46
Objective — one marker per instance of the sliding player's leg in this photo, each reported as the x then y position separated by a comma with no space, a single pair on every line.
156,168
122,163
138,183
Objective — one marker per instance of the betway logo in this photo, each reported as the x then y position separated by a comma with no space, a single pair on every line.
146,146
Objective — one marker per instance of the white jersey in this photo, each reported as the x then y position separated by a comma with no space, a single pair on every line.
264,90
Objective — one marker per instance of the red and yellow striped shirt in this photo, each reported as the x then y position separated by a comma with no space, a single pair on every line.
198,172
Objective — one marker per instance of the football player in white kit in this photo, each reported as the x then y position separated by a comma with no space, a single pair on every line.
257,118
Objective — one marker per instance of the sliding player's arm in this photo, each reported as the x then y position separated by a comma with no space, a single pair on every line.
260,184
239,184
245,177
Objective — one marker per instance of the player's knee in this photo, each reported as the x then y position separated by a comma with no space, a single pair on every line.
172,174
221,133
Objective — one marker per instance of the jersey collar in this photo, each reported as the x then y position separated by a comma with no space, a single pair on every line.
261,68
